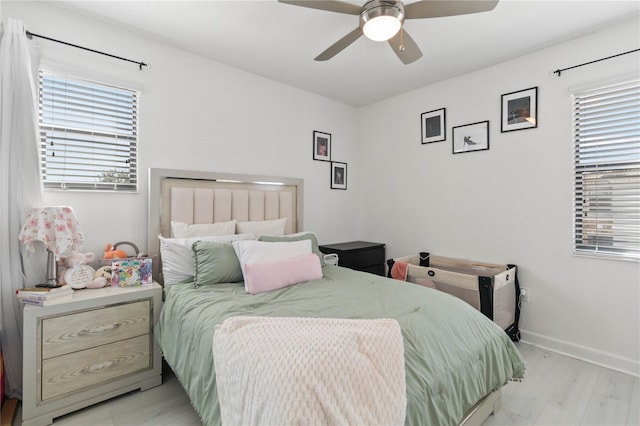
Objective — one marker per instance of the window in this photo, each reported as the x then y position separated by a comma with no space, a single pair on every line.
606,133
88,134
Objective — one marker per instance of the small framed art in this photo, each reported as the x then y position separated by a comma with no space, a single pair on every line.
519,110
321,146
471,137
338,175
434,125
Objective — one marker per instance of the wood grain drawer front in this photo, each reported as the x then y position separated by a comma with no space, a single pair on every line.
78,331
72,372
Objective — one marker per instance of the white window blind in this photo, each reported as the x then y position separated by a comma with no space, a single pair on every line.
606,129
88,134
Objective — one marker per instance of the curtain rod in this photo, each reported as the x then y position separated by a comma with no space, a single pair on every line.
559,71
140,64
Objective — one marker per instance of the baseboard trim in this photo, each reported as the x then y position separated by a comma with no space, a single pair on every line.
583,353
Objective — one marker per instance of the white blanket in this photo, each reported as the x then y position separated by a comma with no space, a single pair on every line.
310,371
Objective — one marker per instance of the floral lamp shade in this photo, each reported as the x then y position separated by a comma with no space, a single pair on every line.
57,227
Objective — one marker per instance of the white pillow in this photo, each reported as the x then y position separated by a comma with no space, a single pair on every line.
178,263
262,227
182,230
264,252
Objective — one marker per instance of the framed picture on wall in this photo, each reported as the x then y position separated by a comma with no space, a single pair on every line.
338,175
519,110
471,137
434,125
321,146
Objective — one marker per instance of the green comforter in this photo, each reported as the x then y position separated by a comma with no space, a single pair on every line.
454,355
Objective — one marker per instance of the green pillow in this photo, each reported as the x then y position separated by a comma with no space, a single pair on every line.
215,263
297,237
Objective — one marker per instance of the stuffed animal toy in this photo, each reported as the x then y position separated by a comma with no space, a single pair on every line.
111,252
75,262
101,278
69,261
76,258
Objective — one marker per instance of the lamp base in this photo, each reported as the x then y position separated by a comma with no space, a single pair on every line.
51,272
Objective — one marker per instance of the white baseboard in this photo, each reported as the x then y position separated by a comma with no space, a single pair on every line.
584,353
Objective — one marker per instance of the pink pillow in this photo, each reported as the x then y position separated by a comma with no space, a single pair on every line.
262,277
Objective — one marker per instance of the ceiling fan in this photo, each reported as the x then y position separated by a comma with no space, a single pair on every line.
381,20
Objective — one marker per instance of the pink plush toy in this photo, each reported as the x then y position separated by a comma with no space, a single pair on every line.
73,260
76,258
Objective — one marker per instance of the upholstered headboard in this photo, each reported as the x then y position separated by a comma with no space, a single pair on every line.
208,197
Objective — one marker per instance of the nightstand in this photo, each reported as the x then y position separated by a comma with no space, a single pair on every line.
358,255
92,347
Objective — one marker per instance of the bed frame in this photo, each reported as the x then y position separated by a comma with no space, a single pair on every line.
208,197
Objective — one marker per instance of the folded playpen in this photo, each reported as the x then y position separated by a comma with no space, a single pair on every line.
492,289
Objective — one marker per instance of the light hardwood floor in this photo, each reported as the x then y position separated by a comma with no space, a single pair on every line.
557,390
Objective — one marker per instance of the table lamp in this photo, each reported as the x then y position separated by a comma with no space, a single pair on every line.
58,228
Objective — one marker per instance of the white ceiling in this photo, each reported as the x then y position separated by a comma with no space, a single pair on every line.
279,41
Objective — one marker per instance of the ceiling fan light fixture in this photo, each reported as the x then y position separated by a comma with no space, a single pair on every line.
381,28
381,19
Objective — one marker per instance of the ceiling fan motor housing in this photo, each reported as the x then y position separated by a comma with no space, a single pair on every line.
381,8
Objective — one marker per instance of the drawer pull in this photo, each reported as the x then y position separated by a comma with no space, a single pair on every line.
100,329
100,366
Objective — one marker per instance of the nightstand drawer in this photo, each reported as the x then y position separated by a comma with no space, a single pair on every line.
377,270
363,258
83,330
359,255
88,368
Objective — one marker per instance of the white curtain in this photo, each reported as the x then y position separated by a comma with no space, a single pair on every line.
20,188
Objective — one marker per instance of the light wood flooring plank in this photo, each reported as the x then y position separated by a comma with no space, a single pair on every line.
558,390
604,410
614,384
97,415
611,399
553,415
530,397
573,390
506,417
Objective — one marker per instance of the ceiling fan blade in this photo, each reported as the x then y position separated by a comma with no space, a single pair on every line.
339,45
328,5
405,47
438,8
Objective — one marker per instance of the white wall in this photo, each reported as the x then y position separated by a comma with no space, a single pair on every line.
199,114
512,203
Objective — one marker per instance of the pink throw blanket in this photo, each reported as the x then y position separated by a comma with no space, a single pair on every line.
315,371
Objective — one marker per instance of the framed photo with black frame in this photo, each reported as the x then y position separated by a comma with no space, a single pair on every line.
338,175
471,137
321,146
519,110
434,126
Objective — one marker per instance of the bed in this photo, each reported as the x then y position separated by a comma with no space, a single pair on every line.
456,360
